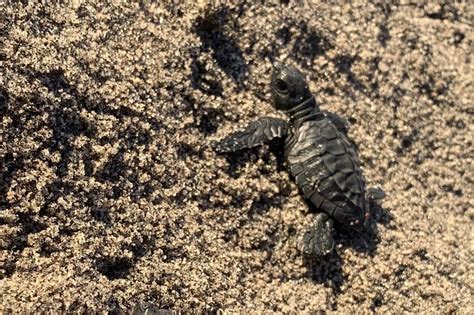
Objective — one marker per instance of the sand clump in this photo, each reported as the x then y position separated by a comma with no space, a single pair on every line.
110,194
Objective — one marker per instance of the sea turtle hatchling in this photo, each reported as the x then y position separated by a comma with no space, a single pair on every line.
319,156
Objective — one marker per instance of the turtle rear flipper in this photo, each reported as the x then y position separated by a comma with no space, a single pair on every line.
257,133
317,239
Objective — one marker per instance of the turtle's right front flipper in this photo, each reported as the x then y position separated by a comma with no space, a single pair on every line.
257,133
341,123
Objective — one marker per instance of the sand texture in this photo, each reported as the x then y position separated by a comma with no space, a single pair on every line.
111,194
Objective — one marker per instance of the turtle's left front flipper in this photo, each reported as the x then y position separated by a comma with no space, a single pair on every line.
257,133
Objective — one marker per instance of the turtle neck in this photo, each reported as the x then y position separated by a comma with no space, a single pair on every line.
305,111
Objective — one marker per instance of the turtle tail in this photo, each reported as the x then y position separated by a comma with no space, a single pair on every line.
375,194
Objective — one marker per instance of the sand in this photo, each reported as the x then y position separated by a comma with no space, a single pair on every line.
111,195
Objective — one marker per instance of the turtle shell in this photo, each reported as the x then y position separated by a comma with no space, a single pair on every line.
324,165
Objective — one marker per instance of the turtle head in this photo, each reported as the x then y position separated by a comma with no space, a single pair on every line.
288,86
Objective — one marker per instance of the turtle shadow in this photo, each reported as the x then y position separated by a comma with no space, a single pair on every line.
326,270
237,160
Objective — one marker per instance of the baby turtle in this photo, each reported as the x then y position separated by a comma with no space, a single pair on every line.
319,156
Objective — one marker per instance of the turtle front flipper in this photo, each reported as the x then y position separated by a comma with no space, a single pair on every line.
317,239
340,123
257,133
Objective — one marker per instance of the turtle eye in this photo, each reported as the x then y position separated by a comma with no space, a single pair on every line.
281,85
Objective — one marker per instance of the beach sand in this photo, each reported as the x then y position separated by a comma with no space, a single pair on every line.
111,194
